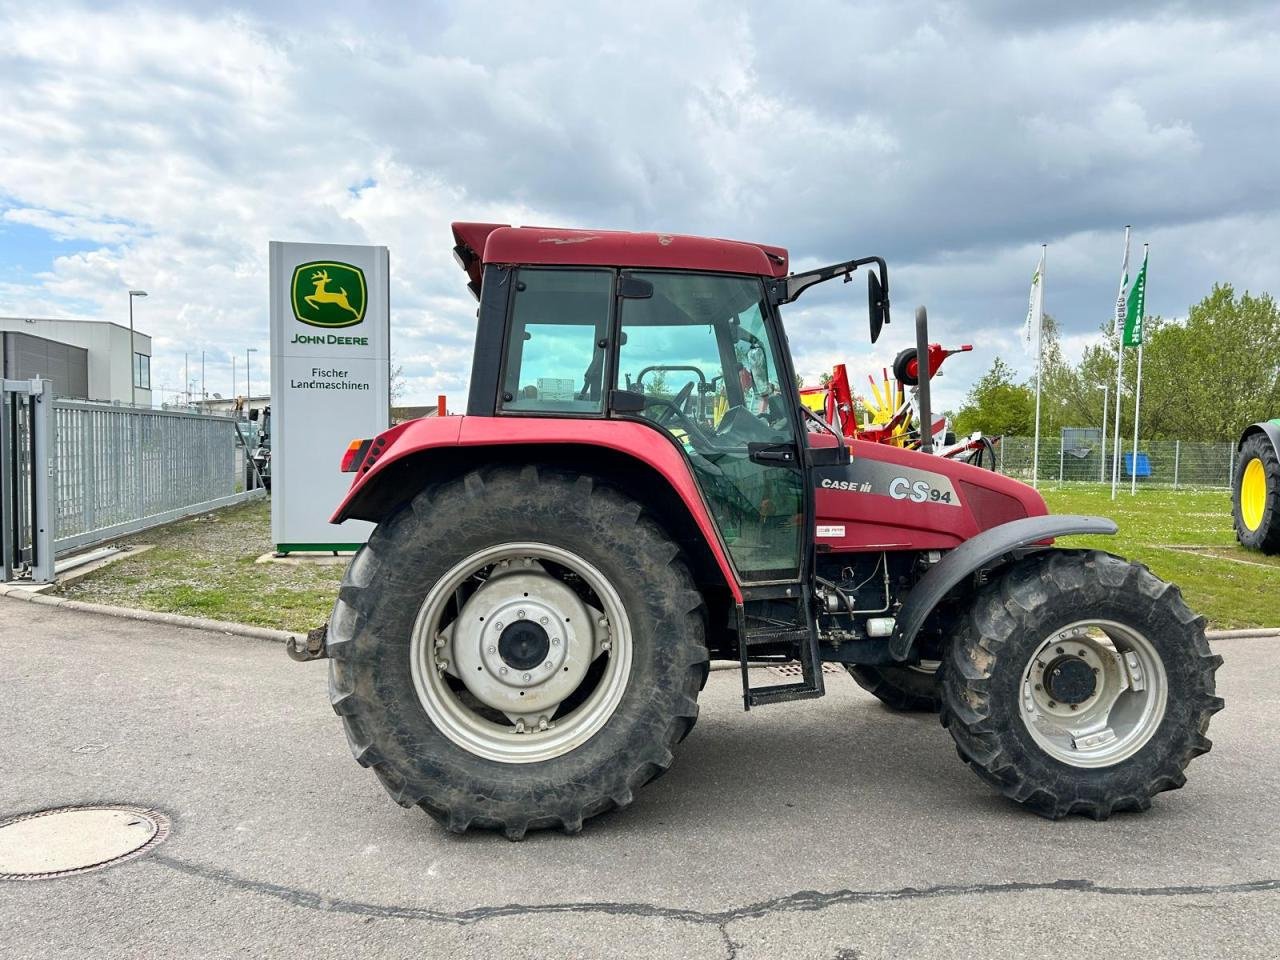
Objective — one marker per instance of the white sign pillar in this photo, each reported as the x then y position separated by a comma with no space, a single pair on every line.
330,383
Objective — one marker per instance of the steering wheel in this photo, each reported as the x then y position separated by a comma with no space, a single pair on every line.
675,406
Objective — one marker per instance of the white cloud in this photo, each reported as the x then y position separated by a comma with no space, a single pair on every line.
175,142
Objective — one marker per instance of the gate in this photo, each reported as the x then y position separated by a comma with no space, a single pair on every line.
77,473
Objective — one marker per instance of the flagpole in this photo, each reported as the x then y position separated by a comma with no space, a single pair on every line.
1035,454
1137,402
1120,311
1137,395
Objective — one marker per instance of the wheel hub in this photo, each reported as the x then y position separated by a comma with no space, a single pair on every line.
523,645
1070,680
1094,693
523,642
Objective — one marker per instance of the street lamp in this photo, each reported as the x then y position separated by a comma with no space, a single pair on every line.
133,356
248,385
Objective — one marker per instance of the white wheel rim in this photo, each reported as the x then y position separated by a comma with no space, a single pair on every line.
1118,716
462,652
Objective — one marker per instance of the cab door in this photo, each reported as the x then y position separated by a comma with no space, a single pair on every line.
701,357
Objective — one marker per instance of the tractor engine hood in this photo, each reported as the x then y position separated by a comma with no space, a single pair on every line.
888,498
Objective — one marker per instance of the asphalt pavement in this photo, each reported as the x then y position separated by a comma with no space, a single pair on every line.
826,829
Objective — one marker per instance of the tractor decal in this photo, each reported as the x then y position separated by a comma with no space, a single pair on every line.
888,480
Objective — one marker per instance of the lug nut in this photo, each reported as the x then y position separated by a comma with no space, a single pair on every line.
548,664
542,723
543,621
519,726
442,665
503,671
555,641
1052,704
519,614
606,644
493,649
497,624
441,640
604,621
526,676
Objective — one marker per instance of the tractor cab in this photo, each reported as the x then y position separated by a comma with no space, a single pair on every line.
692,345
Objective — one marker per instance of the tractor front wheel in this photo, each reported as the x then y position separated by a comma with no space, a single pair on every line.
517,649
1080,683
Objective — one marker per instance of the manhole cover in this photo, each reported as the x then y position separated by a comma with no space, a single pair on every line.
70,840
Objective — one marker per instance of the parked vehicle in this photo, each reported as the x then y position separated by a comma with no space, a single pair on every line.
635,490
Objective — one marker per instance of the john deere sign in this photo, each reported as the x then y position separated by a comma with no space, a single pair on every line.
327,293
329,385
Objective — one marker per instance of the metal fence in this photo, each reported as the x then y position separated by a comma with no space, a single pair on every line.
106,471
1079,457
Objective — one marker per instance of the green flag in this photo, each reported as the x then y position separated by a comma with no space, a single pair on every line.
1137,301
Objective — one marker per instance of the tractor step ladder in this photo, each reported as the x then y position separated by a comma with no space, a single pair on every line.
811,682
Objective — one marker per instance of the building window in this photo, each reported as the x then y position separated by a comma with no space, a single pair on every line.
142,371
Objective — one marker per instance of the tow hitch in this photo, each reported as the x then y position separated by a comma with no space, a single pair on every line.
315,648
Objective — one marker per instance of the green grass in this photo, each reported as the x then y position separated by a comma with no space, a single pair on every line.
1214,580
205,566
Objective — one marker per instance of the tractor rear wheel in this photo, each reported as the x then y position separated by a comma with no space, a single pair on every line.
1080,683
914,687
1256,503
517,649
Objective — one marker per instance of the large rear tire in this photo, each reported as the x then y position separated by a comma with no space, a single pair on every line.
913,688
543,721
1080,683
1256,499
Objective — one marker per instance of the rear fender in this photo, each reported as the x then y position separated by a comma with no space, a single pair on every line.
636,457
1268,428
974,554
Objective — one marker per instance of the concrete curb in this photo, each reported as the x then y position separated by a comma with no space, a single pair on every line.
154,616
283,636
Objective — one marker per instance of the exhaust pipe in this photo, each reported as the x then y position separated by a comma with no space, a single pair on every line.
922,390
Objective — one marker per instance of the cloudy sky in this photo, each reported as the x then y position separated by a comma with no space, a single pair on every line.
163,146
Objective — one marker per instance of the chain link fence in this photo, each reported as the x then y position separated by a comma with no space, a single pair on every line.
1078,457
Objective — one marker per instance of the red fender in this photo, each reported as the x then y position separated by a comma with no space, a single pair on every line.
627,437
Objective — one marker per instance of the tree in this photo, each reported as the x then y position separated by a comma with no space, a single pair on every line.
998,405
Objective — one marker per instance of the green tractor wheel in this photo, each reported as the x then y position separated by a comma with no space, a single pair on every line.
1256,499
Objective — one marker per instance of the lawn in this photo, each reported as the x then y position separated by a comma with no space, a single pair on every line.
1232,586
205,566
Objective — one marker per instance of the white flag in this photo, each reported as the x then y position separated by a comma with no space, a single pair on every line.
1035,310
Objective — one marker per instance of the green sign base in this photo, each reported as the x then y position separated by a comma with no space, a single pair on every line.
317,547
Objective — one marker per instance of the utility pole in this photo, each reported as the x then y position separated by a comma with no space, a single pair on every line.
186,375
204,395
248,385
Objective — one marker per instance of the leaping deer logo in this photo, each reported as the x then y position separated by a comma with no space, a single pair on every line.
321,280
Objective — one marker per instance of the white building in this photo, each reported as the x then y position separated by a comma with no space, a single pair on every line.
111,358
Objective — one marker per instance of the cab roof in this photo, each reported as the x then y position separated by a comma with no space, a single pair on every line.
480,243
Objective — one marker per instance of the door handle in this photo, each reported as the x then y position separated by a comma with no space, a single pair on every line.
773,454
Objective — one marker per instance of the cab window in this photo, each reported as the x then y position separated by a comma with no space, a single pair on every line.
554,360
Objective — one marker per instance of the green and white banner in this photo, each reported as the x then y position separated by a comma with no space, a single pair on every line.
330,383
1137,304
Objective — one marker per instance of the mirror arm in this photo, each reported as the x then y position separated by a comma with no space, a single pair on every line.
786,289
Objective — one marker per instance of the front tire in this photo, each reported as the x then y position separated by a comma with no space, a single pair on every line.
1080,683
488,724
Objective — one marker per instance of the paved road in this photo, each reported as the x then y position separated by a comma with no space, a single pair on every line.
831,829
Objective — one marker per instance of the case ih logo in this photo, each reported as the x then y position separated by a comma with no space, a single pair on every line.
328,294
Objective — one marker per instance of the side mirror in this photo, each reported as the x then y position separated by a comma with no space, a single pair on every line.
253,413
877,305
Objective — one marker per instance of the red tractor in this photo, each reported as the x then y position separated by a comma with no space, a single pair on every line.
635,490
